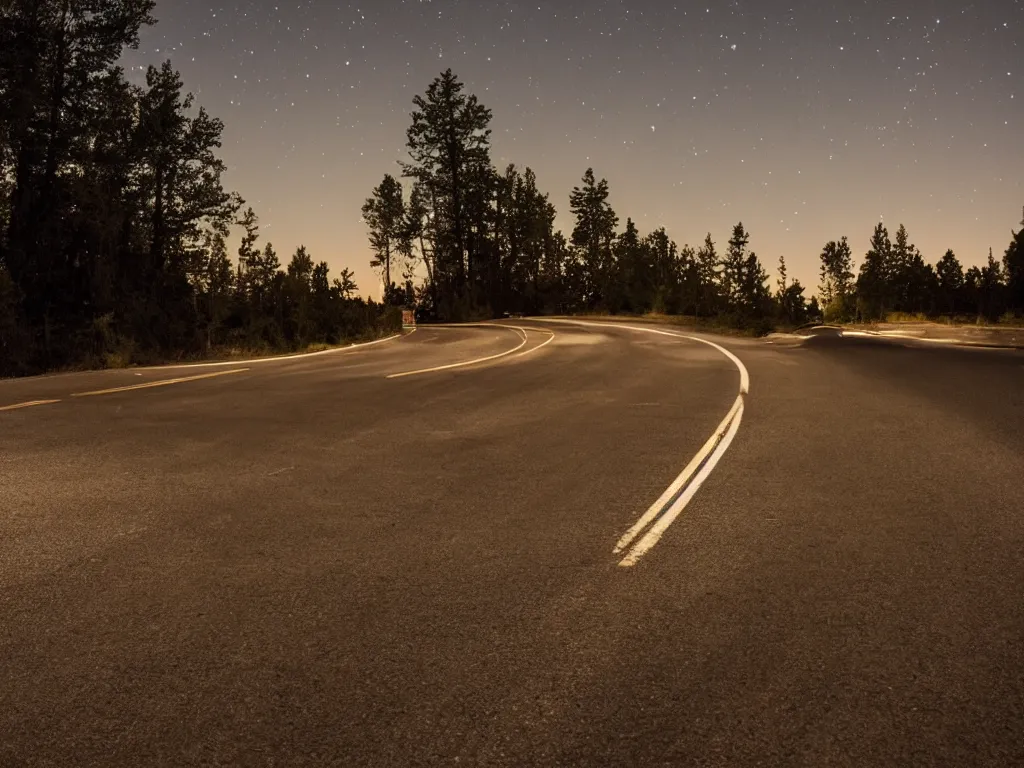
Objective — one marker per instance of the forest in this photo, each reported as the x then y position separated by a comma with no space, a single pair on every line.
486,242
114,224
114,218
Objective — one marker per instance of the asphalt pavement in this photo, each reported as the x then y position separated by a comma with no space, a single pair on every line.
405,554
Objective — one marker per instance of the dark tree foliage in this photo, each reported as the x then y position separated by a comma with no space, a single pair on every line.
390,232
113,215
949,274
836,289
449,150
487,242
1013,269
874,282
114,223
789,298
593,236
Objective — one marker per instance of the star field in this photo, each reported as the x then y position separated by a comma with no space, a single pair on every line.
805,120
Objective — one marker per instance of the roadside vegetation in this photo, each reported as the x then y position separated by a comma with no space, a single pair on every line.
468,241
114,224
114,219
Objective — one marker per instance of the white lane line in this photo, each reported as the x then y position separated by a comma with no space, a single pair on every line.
677,484
257,360
902,336
161,383
696,472
30,404
539,346
465,362
658,529
744,375
510,327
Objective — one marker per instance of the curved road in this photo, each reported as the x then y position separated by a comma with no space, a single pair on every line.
313,561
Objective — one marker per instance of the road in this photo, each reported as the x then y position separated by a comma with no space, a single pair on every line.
314,562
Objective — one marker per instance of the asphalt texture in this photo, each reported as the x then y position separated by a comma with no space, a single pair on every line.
305,562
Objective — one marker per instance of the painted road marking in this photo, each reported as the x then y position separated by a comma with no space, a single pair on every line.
161,383
539,346
258,360
659,507
467,362
30,404
666,519
663,512
499,325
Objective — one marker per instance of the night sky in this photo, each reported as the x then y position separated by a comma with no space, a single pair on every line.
805,119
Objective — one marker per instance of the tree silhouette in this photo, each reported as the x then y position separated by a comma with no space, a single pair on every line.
732,267
950,283
1013,269
707,275
390,228
873,280
836,287
449,149
593,235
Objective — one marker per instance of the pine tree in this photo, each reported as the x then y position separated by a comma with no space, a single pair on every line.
325,324
667,267
219,288
873,281
184,179
921,283
990,289
345,285
1013,268
418,234
950,278
707,274
753,294
733,264
790,297
836,288
794,305
900,271
449,148
690,291
972,291
113,213
633,286
593,235
300,268
813,309
386,216
248,253
53,58
263,274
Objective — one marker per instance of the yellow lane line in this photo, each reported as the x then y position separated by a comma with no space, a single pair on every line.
161,383
29,404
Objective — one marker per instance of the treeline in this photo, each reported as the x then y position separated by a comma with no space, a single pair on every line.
894,278
114,219
487,242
